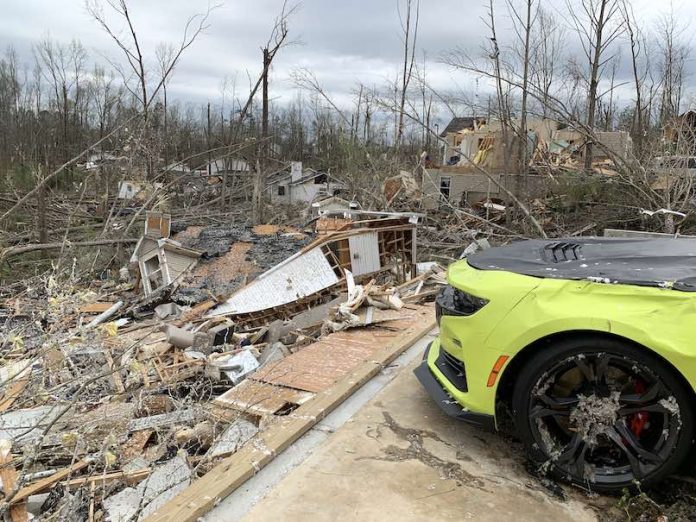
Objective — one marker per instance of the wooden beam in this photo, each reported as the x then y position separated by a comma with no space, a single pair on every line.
199,498
13,392
42,485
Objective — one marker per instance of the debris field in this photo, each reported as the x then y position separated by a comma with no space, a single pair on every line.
119,395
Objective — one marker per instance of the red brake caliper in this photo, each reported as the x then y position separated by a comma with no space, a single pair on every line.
640,419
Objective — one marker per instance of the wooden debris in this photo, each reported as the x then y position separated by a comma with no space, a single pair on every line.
95,308
136,443
47,483
12,393
104,479
8,475
232,472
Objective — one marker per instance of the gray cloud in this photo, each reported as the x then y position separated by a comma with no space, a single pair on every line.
342,42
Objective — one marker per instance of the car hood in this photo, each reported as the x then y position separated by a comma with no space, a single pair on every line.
667,263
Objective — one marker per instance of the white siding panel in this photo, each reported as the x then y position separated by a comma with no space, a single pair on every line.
364,253
294,279
178,263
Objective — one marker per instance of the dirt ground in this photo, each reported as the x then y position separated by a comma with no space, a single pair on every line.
400,458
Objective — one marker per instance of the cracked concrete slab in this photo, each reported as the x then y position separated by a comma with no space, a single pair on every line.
400,458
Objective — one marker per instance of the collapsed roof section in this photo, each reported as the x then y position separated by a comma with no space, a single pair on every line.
365,248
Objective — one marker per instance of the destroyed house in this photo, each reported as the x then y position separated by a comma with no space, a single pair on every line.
318,273
302,185
452,136
160,260
456,186
570,141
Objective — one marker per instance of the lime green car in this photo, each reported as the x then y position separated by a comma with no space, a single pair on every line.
588,347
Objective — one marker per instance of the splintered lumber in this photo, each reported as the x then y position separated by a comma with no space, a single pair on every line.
12,392
42,485
129,478
8,475
136,444
233,471
106,314
95,308
261,398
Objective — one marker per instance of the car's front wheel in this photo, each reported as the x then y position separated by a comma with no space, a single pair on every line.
602,413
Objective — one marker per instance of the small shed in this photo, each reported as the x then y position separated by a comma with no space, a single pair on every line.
161,260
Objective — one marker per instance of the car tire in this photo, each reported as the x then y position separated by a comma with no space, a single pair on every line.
603,413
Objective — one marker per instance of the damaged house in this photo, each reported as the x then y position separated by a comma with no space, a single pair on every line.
302,185
473,143
364,248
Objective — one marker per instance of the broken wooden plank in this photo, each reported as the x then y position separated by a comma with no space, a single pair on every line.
136,444
233,471
261,398
127,477
115,372
94,308
12,393
8,475
40,486
319,365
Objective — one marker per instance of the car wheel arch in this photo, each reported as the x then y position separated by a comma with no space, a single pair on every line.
506,383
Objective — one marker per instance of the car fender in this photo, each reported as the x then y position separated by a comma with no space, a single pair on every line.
660,322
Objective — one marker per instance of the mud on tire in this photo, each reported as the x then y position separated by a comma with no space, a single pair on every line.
602,413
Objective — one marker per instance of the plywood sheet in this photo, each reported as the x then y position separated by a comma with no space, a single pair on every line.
319,365
261,398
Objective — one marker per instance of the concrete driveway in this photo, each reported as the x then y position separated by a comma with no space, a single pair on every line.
399,458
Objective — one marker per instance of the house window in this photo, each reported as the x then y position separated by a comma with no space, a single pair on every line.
320,179
281,190
445,182
154,273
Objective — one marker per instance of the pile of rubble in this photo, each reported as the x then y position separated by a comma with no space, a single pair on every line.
115,396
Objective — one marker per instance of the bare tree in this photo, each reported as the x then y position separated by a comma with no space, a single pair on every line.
599,24
547,56
674,55
145,90
276,41
638,47
409,25
523,23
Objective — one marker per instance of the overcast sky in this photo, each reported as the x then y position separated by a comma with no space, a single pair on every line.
343,42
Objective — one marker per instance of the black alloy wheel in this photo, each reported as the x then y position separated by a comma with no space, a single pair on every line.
603,414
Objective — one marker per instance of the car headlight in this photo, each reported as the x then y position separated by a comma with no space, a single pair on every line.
452,301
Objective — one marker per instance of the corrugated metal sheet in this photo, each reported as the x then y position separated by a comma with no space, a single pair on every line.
293,279
364,253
